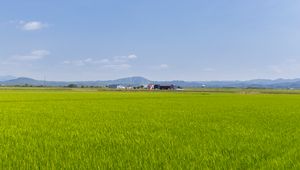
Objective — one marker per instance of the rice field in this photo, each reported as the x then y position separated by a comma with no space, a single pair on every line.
67,129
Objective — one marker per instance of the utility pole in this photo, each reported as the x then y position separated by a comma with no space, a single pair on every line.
44,81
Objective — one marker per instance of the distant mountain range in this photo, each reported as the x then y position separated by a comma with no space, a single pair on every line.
137,81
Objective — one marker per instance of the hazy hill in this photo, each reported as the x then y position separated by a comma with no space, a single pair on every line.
136,81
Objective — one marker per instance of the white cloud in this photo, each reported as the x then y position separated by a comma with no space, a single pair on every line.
104,60
75,62
116,63
164,66
277,69
32,25
40,52
34,55
159,67
132,56
66,62
117,66
123,59
287,68
87,61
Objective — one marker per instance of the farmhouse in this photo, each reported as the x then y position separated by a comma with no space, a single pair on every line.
161,87
167,87
116,86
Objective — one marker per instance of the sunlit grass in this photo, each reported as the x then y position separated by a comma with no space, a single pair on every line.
41,129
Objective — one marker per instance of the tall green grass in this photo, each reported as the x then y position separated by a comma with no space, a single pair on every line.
41,129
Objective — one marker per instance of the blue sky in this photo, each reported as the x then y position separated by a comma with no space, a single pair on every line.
157,39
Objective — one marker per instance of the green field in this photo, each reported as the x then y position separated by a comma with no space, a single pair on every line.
69,129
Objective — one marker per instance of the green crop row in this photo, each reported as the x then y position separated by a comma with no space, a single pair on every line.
41,129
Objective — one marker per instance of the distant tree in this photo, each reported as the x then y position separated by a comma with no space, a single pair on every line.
72,86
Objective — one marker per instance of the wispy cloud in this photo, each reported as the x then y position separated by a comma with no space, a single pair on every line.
159,67
132,56
164,66
21,60
116,63
117,66
277,69
30,25
33,55
122,59
285,68
87,61
208,69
